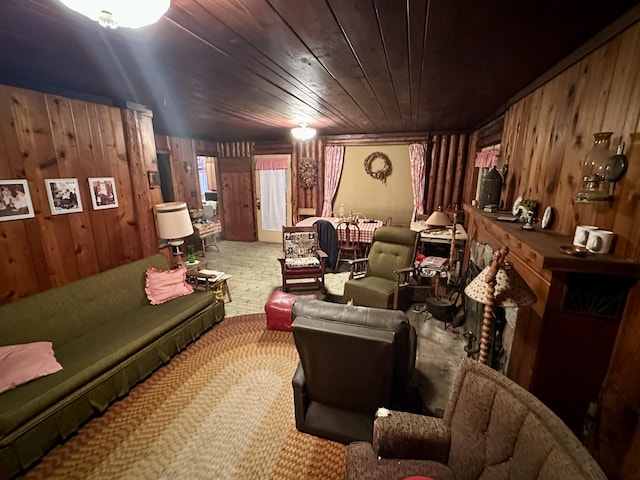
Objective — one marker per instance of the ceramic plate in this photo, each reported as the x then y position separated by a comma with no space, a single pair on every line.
547,218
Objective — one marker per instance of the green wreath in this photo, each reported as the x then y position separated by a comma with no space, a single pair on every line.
382,173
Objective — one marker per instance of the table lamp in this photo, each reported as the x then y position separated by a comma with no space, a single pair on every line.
174,223
439,219
498,284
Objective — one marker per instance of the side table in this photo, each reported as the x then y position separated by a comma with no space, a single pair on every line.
201,277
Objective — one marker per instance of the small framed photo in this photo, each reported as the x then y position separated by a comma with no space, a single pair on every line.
64,195
103,193
154,178
15,200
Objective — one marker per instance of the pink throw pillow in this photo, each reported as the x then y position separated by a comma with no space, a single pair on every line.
165,285
25,362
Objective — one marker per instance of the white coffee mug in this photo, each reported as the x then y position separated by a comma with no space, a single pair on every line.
599,241
582,235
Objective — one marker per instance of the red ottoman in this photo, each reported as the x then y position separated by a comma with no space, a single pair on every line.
278,310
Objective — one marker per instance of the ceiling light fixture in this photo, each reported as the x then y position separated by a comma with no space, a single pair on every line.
303,132
120,13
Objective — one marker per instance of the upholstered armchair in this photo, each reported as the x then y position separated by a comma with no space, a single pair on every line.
352,361
302,262
492,429
376,281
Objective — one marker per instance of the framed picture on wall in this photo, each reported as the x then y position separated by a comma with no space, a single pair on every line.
103,193
64,195
154,178
15,200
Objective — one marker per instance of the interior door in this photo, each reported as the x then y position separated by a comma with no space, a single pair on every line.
166,179
266,235
235,199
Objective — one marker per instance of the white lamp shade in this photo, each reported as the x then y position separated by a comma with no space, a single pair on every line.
510,290
121,13
173,220
439,219
303,132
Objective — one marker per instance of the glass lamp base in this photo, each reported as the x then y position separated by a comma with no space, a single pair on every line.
591,196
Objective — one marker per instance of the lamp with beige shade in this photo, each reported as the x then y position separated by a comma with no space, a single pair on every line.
174,224
499,284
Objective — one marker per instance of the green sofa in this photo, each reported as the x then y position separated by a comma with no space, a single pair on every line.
107,336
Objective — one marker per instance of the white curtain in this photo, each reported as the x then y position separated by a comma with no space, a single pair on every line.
273,199
273,192
333,158
418,164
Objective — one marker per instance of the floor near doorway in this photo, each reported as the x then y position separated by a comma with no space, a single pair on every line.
255,274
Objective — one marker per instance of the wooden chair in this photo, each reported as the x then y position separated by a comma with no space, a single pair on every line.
203,231
348,241
302,259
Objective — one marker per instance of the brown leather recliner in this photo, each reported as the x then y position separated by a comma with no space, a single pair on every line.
353,360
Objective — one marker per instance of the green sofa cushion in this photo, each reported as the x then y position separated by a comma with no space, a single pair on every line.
385,258
95,353
376,292
81,306
107,336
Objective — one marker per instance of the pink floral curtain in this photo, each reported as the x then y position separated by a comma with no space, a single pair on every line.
333,158
486,159
276,163
417,157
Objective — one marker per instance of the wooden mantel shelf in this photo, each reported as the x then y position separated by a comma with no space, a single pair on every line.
562,344
540,249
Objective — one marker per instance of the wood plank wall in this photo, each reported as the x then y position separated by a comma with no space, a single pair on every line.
185,150
48,136
547,135
446,166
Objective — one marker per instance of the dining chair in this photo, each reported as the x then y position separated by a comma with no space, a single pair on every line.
348,241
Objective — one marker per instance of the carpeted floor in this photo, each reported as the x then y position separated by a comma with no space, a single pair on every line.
222,409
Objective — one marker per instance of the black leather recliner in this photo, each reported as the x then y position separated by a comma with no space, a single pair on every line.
353,360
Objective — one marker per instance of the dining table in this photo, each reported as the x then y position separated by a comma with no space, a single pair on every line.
367,227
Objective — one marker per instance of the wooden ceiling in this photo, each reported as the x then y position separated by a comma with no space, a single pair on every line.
247,69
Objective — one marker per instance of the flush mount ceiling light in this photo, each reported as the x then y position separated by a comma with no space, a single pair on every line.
120,13
303,132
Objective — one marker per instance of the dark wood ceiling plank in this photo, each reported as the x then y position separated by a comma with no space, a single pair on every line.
416,43
314,23
242,69
282,58
360,23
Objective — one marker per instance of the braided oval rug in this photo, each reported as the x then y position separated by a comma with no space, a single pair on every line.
221,409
